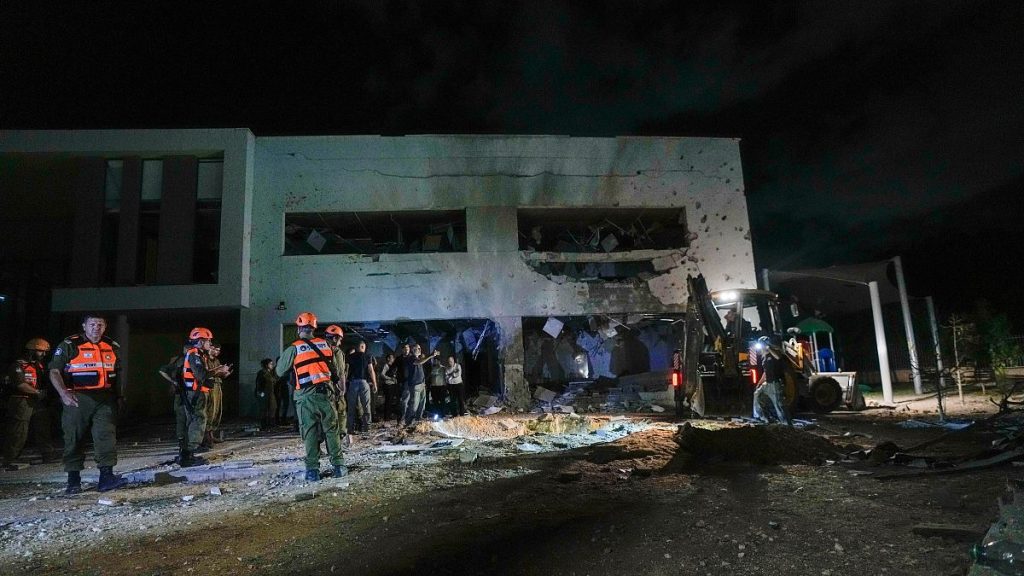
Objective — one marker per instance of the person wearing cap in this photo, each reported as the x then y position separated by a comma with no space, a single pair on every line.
309,359
26,405
198,377
85,372
334,336
769,388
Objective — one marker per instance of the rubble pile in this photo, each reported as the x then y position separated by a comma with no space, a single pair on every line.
762,445
475,428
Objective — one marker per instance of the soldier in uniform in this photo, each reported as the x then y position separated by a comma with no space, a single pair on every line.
309,359
84,371
266,381
334,335
26,405
215,406
198,379
172,372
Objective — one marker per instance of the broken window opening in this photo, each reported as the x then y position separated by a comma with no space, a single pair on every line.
602,229
579,360
370,233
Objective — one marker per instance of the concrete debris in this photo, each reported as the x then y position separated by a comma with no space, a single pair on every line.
543,394
165,478
492,410
657,408
106,502
215,491
468,457
253,483
303,496
187,498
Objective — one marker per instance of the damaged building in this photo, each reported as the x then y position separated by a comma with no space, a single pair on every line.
535,260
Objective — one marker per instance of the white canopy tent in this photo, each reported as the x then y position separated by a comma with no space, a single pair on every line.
840,289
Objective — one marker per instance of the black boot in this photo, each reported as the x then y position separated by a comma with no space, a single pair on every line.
109,480
312,475
187,459
74,483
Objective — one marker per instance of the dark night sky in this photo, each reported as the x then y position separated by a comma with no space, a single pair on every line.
869,129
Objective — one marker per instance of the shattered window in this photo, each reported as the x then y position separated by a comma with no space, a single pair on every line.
375,232
601,230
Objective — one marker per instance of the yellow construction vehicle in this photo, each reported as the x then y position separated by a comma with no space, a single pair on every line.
720,356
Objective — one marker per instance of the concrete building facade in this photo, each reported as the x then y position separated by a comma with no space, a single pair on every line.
508,230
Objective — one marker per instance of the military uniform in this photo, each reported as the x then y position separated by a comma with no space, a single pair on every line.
338,396
215,401
89,371
173,370
196,376
27,410
312,367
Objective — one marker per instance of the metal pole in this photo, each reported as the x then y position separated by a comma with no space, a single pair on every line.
908,325
938,358
883,349
764,279
935,338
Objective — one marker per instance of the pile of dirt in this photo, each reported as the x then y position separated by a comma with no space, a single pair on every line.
761,445
475,428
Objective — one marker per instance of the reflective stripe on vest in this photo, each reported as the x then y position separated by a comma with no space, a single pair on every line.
310,369
93,367
188,375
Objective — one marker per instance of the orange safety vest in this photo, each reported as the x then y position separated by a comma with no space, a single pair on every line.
31,372
188,375
93,367
310,367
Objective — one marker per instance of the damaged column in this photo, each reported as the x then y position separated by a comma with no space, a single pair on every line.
510,350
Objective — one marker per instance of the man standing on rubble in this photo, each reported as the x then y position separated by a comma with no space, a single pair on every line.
309,359
363,380
334,336
172,372
198,378
215,406
85,372
26,404
770,387
414,397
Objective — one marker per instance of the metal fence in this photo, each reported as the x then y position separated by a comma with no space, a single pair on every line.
1019,341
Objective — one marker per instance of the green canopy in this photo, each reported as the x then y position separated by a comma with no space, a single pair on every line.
810,325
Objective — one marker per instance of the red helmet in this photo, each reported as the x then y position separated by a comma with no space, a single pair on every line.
198,333
335,330
306,319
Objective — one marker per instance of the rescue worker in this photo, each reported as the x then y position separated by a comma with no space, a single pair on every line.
198,379
334,335
309,359
172,372
215,405
26,404
85,371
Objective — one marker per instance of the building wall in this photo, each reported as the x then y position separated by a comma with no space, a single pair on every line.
489,176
